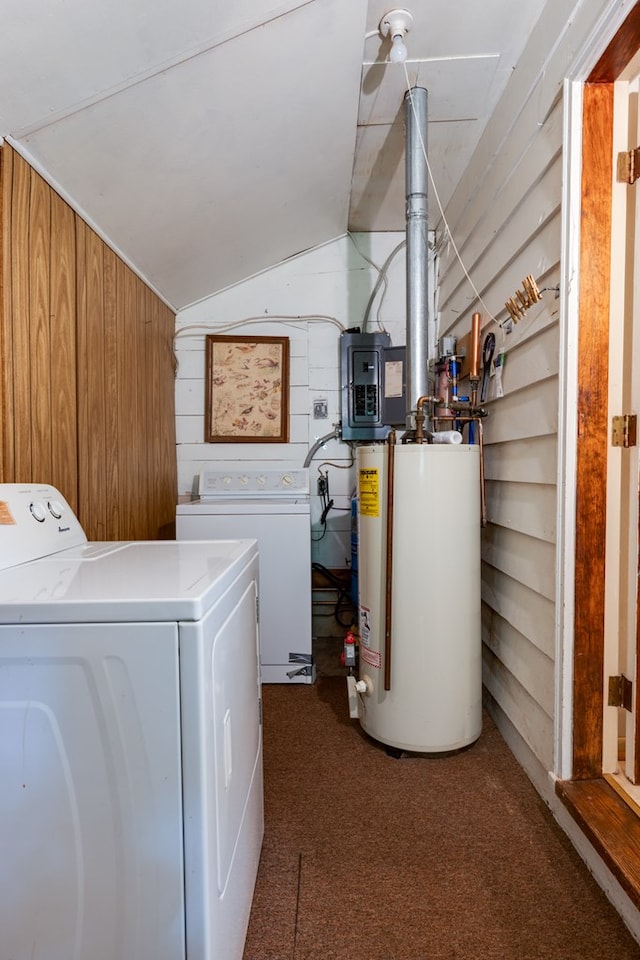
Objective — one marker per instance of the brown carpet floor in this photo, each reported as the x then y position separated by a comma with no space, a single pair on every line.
367,857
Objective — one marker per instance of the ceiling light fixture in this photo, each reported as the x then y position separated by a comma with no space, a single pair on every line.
396,25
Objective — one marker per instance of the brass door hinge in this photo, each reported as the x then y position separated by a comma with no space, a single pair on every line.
620,692
623,430
629,166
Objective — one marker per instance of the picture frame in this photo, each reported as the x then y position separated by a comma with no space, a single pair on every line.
246,389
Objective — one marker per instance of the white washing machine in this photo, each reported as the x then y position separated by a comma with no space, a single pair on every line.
273,506
131,806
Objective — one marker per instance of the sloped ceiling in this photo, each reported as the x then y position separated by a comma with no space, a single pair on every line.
207,141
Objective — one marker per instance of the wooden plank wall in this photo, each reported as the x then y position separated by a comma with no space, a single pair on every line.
593,429
506,218
87,361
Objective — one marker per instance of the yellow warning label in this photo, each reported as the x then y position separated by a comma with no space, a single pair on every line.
5,514
369,492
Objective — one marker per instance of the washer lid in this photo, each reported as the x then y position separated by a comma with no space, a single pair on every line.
114,582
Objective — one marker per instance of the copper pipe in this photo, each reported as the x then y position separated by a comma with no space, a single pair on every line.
388,604
455,416
474,368
478,420
483,500
420,418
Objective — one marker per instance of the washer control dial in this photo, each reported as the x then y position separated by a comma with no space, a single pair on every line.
37,511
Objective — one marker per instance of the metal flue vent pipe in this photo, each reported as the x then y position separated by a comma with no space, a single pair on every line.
417,228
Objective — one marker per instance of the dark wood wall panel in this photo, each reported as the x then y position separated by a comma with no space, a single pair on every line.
595,254
88,380
39,266
22,367
94,447
64,453
143,393
126,399
111,488
82,404
6,324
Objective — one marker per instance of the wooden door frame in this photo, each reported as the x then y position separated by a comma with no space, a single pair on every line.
592,413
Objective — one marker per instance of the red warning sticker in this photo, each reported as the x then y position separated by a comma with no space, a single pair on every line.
372,657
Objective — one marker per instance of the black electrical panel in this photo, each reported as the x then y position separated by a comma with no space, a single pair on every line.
365,411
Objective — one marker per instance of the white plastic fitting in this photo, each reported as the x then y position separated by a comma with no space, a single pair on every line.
446,436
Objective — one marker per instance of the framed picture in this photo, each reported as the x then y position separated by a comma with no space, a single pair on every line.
247,389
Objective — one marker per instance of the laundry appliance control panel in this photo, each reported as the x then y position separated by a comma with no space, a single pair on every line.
35,521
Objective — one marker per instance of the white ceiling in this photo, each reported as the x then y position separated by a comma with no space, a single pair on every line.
209,141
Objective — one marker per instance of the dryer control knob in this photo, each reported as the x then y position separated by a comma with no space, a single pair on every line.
38,512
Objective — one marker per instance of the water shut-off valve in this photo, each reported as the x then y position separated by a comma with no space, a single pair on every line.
348,655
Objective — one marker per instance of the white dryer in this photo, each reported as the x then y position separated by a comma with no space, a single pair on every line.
131,808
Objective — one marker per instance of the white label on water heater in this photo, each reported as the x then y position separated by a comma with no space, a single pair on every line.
365,625
369,492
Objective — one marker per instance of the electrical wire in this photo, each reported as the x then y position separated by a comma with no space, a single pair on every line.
382,279
195,329
323,480
335,434
344,600
327,503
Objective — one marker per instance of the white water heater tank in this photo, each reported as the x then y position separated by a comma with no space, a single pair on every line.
431,662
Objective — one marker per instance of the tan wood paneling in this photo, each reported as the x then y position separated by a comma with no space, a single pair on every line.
84,505
592,429
88,379
83,416
144,405
126,366
64,452
6,324
110,353
22,369
39,264
93,365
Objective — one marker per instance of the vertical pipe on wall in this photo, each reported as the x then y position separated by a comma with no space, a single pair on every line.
417,227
